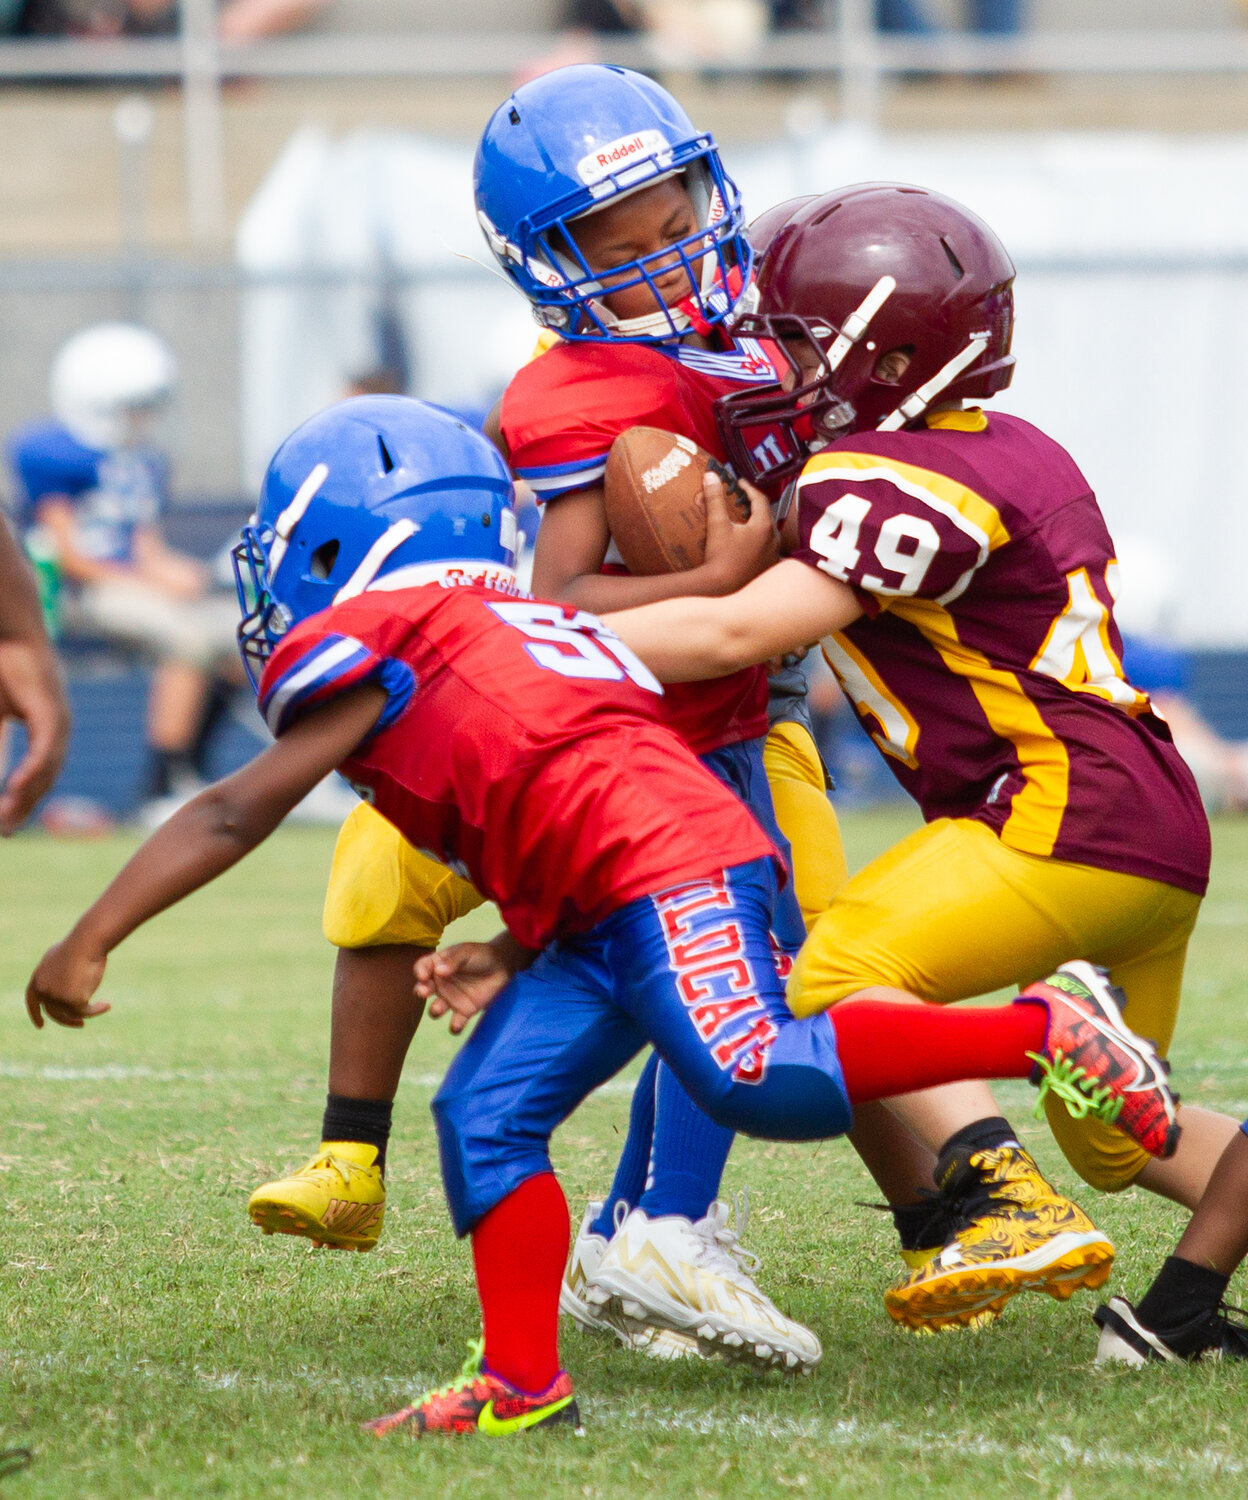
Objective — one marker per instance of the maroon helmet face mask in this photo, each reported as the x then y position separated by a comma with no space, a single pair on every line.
846,278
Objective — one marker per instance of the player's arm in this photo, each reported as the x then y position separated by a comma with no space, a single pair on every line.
572,544
31,689
783,610
55,513
172,572
203,839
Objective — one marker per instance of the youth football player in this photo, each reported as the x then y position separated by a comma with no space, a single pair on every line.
961,578
1184,1314
525,745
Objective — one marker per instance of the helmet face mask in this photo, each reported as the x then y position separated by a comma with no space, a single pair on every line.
566,146
377,492
851,277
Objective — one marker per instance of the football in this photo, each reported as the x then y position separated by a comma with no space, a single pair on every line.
655,509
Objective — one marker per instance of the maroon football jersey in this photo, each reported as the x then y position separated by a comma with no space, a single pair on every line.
560,415
522,744
987,667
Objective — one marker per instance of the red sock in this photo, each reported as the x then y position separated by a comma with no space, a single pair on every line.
887,1047
519,1249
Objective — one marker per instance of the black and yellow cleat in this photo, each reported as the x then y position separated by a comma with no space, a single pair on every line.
1013,1232
336,1200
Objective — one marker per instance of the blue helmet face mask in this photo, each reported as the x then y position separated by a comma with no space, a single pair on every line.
378,492
574,141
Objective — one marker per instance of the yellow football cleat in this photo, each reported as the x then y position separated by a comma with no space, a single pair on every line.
1013,1233
337,1200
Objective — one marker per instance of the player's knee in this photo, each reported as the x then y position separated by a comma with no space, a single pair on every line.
485,1154
1104,1158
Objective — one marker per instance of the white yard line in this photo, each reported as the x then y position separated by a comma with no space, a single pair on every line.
137,1072
846,1433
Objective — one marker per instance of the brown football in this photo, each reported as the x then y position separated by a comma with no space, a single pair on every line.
655,509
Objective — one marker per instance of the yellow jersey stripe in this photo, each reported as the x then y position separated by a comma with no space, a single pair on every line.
1038,809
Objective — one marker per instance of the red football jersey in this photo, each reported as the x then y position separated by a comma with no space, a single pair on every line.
988,667
522,744
560,415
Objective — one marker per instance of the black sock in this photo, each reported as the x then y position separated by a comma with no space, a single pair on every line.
920,1226
364,1120
1182,1292
983,1135
158,778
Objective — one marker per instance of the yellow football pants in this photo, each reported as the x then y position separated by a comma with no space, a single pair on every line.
807,819
951,912
381,890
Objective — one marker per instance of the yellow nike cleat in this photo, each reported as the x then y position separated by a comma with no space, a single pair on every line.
337,1200
1013,1233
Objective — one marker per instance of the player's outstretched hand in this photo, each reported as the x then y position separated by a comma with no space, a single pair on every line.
737,550
63,984
31,691
460,981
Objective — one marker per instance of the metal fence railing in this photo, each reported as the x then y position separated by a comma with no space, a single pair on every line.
848,48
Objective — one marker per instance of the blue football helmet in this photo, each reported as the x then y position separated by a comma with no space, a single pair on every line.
378,492
572,141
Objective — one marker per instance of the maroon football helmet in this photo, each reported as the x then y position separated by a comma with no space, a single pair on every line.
853,275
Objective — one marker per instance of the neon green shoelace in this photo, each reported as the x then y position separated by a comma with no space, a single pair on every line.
1076,1088
471,1370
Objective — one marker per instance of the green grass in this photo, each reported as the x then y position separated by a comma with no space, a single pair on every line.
153,1344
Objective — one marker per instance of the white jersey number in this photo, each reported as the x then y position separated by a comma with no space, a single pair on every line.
835,537
1077,650
578,647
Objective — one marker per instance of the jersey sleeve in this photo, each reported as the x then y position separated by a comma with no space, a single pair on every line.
564,409
886,534
47,461
310,668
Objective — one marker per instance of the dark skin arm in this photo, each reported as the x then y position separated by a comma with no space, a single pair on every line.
466,978
202,840
572,545
31,689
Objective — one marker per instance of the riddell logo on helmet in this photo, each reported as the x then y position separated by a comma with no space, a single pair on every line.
606,160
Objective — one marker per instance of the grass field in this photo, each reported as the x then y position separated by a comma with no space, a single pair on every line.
153,1344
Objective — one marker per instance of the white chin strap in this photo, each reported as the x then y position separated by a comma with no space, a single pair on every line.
655,323
381,549
917,403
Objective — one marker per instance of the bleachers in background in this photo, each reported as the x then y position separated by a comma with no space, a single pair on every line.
108,691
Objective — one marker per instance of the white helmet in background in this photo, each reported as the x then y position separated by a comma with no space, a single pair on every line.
105,376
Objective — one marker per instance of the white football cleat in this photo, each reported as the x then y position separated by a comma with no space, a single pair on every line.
694,1279
588,1249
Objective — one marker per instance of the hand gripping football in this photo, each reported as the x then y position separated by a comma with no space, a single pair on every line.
653,493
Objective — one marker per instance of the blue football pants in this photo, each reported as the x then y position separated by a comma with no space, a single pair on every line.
689,970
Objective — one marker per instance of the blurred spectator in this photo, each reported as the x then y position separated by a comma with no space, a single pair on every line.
983,17
240,20
1220,766
92,490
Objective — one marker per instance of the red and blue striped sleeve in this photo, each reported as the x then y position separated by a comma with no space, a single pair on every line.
305,673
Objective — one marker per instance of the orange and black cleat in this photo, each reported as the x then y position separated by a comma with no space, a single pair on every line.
1096,1065
480,1402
